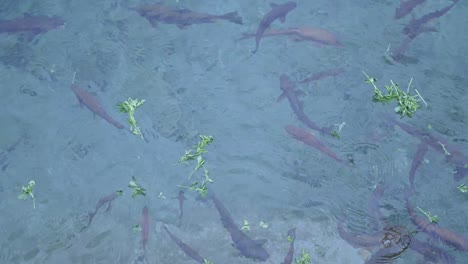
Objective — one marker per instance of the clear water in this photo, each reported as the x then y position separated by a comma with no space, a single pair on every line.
203,80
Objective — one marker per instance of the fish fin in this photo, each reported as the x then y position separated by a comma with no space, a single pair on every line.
260,242
281,97
233,17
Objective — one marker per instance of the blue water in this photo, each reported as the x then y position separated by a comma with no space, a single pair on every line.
202,80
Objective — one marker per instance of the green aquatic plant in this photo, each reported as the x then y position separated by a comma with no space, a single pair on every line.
28,192
136,228
462,188
444,148
245,226
290,239
130,107
407,104
205,261
263,224
305,258
162,196
336,134
433,218
137,189
196,153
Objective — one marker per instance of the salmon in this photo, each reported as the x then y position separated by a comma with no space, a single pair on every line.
289,91
189,251
276,12
317,35
159,13
310,140
87,99
32,25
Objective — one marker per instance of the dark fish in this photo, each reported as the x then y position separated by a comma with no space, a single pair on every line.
289,91
87,99
186,248
436,231
288,259
323,74
159,13
417,160
276,12
181,198
440,145
248,247
316,35
431,253
406,7
104,200
310,140
417,26
398,54
33,25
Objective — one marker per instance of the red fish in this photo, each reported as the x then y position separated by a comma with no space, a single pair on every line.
406,7
317,35
87,99
310,140
33,25
276,12
145,226
289,91
288,259
436,231
181,17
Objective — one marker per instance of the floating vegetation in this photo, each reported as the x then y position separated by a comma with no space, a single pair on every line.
407,104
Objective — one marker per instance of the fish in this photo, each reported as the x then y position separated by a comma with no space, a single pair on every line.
278,11
323,74
289,91
435,230
310,140
398,54
32,25
431,253
317,35
440,145
101,202
417,26
87,99
145,226
159,13
248,247
417,160
181,198
186,248
406,7
288,259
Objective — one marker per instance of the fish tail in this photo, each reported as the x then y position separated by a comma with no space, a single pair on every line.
233,17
